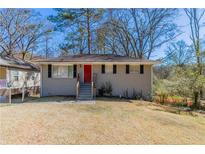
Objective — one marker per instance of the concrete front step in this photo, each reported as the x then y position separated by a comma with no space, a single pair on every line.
85,85
85,92
85,88
84,98
89,95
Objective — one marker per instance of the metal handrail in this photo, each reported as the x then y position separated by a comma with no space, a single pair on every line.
77,89
92,86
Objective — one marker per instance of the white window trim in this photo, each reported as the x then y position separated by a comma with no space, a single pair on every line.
59,77
136,71
109,69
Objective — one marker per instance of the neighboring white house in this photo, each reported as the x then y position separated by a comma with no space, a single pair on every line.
16,73
85,76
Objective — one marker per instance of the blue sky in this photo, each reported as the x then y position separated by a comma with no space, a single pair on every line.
181,21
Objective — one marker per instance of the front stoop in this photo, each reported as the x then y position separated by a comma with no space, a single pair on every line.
85,92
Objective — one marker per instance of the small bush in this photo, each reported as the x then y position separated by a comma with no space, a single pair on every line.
105,89
108,88
147,97
102,90
136,95
139,95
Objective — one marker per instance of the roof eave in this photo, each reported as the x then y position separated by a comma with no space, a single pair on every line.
21,68
107,62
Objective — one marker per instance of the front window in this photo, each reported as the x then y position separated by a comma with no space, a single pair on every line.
62,71
15,75
134,69
109,69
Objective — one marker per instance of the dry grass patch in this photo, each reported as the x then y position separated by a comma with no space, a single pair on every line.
106,122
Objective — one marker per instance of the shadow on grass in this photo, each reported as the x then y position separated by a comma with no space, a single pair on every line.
62,99
175,110
34,99
58,99
113,99
95,109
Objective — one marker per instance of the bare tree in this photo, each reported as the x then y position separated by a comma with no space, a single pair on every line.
11,21
154,27
179,54
139,32
48,50
29,39
19,31
115,33
196,16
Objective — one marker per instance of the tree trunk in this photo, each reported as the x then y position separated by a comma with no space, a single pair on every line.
88,31
199,65
81,40
201,94
196,103
46,47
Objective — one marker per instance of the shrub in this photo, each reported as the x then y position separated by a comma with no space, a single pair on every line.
106,88
136,95
147,97
102,90
161,90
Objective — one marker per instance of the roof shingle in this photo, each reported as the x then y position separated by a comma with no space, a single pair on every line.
13,62
95,58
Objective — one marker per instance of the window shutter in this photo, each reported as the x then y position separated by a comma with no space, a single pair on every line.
103,69
49,71
114,69
74,71
141,69
127,69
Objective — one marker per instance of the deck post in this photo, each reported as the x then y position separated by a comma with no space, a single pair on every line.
10,95
77,89
23,93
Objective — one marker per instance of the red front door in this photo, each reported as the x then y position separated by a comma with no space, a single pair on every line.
87,73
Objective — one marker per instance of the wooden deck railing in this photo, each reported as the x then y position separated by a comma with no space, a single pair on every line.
9,91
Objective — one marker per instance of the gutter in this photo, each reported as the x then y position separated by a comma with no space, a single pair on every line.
89,62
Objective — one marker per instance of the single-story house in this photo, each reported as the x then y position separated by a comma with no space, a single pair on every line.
14,72
87,75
